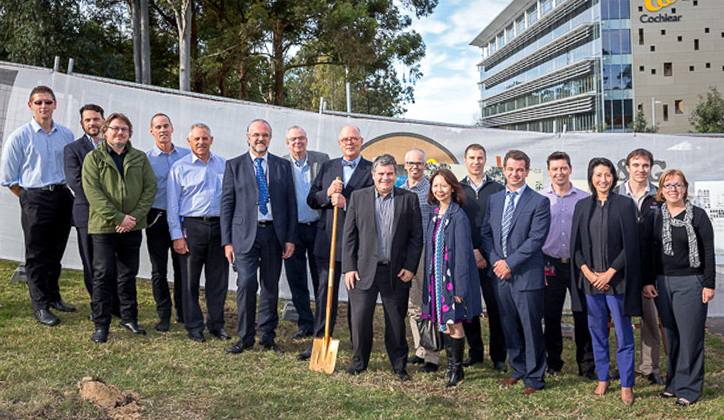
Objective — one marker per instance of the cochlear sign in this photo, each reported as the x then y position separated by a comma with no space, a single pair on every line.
655,6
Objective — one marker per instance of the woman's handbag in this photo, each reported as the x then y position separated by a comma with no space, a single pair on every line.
430,336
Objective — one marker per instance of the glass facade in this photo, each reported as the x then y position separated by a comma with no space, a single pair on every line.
616,77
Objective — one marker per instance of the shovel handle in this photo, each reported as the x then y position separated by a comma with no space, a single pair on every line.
330,278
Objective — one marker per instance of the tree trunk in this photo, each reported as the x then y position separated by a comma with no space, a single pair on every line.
133,8
145,44
197,81
244,76
278,63
183,20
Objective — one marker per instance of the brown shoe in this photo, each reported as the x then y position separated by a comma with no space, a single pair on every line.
529,390
508,381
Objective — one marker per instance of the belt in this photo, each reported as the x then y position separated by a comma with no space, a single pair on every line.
264,223
204,218
563,260
385,262
51,187
309,223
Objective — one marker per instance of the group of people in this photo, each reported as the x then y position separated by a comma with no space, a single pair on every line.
431,249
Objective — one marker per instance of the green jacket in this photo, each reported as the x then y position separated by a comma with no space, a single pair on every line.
112,197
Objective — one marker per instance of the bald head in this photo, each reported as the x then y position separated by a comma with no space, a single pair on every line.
350,141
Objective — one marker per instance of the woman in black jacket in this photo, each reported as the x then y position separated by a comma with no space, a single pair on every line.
604,243
685,280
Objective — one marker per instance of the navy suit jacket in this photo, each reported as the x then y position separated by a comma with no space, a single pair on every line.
317,199
73,155
240,198
528,232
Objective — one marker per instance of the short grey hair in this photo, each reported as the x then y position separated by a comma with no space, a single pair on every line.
384,160
294,127
261,120
418,150
199,125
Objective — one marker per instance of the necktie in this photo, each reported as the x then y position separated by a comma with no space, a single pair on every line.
507,219
263,189
351,165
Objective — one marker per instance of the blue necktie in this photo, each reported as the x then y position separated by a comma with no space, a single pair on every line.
351,165
507,219
263,189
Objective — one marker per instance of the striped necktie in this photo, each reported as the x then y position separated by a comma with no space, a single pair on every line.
263,189
507,219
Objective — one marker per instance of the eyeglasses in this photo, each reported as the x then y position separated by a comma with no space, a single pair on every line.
118,129
38,103
415,164
673,187
300,138
257,136
349,139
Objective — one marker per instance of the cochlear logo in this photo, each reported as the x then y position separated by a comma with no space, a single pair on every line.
656,5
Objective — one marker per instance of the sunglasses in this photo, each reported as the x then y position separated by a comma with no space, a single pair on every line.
38,103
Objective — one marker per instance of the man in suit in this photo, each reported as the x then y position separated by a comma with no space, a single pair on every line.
515,227
305,166
325,194
258,230
381,250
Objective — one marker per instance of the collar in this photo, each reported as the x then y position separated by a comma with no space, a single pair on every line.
36,126
571,191
471,184
300,163
195,158
650,189
520,190
253,157
391,194
113,152
155,151
356,161
90,139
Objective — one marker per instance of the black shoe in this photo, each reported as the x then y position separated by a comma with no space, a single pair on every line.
552,372
237,348
415,360
500,367
100,335
133,327
163,325
179,319
428,368
472,360
655,378
271,345
220,334
590,374
458,375
615,375
197,336
62,306
353,372
305,355
301,335
403,375
91,318
47,318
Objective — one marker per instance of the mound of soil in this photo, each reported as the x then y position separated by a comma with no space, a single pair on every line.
118,405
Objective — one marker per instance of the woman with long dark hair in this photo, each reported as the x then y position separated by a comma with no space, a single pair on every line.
604,242
685,280
451,290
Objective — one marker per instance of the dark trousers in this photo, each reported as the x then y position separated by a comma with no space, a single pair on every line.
521,313
115,257
45,218
296,269
85,249
362,310
159,244
472,328
555,297
203,239
320,298
683,315
599,307
266,256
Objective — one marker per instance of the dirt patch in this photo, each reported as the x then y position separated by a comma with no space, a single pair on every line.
119,405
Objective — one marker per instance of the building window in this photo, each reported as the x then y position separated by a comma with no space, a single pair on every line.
640,107
663,32
708,65
679,106
668,69
696,45
545,6
532,15
641,8
691,68
520,25
706,30
653,71
673,11
616,41
666,112
641,36
653,48
695,2
680,38
641,68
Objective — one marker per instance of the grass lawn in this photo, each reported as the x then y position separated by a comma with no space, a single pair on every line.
180,379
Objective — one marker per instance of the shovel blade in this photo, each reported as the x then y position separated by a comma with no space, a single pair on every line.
324,357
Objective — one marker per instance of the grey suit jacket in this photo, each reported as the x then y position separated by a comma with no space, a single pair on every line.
316,159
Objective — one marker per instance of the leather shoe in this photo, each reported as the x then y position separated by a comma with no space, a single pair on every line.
221,334
403,375
62,306
508,381
428,368
589,374
197,336
552,372
272,346
415,360
47,318
655,378
237,348
500,367
353,372
529,390
305,355
179,319
100,335
162,326
133,327
615,375
471,361
301,335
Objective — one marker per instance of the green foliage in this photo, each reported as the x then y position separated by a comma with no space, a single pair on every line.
640,125
708,116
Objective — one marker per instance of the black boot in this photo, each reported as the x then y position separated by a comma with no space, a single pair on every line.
458,347
447,342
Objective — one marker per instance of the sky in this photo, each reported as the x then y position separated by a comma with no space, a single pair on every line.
448,90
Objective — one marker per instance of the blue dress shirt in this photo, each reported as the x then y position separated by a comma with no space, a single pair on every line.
302,184
161,163
348,171
33,158
193,190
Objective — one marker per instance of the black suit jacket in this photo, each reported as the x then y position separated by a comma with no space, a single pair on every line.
73,155
317,199
359,252
240,197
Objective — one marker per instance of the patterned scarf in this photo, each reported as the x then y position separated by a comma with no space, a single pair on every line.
437,263
691,235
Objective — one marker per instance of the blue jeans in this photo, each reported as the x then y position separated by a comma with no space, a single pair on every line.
598,325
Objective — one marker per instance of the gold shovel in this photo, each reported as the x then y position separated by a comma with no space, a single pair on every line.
324,350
